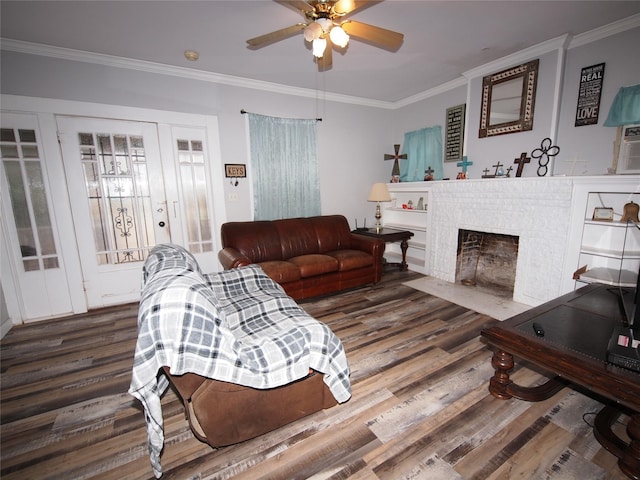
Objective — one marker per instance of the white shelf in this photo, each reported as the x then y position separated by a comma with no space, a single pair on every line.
408,210
406,226
611,249
611,223
610,276
602,252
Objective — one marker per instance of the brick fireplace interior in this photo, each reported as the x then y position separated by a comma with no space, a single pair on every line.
487,260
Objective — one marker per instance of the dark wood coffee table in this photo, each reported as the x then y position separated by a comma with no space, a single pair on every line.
390,235
577,328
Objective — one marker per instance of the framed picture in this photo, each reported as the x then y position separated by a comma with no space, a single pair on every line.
603,214
454,135
235,170
588,107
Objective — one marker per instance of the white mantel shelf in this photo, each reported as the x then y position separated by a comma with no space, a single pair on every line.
546,213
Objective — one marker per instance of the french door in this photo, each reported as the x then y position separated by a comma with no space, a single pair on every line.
117,195
32,264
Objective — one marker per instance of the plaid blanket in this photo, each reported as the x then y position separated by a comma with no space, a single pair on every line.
236,326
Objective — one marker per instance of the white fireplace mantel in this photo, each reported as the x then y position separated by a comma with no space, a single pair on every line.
546,213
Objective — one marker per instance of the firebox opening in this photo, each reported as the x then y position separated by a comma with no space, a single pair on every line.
487,260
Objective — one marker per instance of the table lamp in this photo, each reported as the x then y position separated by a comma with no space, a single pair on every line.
379,193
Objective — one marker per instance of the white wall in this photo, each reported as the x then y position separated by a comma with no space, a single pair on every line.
555,107
592,145
351,138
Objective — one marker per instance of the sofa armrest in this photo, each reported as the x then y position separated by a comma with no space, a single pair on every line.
231,258
374,246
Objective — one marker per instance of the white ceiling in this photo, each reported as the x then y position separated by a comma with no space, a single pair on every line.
442,40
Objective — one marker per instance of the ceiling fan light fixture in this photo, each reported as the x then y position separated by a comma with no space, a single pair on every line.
339,37
319,46
312,31
325,23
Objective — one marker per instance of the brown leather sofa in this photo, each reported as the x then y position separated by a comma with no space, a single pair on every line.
307,256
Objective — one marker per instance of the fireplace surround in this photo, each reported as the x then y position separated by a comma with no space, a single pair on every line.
547,215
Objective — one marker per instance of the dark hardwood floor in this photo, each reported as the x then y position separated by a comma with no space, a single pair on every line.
420,407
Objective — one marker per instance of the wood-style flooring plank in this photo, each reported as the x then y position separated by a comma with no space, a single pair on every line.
420,406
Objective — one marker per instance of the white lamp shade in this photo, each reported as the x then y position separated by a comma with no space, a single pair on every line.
312,31
379,193
339,37
319,46
325,23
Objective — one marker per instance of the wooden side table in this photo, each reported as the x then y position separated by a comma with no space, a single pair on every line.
390,235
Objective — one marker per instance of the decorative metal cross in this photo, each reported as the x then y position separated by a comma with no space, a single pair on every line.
521,161
464,164
396,166
498,168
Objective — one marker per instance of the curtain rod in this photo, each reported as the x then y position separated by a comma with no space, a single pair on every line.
243,111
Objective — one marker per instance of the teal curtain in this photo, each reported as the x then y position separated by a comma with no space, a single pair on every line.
284,167
625,108
424,150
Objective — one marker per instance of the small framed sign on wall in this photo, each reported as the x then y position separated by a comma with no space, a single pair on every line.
235,170
454,134
589,92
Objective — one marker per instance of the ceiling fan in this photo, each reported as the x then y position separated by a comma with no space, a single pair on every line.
326,27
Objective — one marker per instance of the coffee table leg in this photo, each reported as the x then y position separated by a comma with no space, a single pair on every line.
404,245
629,462
502,362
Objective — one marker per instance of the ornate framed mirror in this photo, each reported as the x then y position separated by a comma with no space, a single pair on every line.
508,100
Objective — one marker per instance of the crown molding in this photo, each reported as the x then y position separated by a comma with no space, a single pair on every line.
182,72
518,57
445,87
606,31
563,42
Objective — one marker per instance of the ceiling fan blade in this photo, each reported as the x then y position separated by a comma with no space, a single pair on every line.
326,61
296,5
382,37
273,37
342,7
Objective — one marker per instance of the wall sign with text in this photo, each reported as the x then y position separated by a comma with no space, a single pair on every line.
235,170
589,92
454,140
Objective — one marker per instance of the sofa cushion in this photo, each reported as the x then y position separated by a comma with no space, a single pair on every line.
281,271
351,259
333,233
297,237
315,264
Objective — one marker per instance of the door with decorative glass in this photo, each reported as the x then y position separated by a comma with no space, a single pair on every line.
117,193
35,268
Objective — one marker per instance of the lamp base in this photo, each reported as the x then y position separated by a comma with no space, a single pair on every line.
378,217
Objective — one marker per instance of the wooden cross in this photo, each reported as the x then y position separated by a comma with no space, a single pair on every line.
485,171
396,166
521,161
497,165
464,164
509,170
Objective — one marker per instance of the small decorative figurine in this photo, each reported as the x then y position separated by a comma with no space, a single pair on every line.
428,174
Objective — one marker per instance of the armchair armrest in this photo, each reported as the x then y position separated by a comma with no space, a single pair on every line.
231,258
